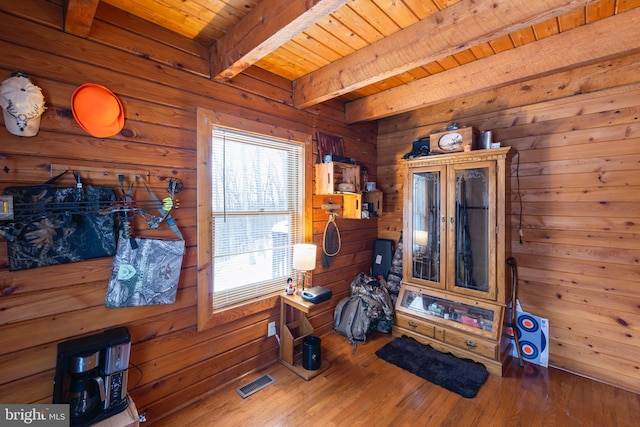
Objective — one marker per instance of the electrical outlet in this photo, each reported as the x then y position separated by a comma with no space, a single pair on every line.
271,331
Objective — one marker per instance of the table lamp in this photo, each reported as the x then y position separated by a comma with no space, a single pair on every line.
421,241
304,259
422,238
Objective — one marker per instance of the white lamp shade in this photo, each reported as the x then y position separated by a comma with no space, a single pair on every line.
422,237
304,257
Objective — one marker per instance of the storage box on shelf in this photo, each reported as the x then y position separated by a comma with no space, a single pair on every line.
328,177
455,289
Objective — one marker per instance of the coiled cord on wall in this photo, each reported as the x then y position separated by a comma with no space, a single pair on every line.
326,236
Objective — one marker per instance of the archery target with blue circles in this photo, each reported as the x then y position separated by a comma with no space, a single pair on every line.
531,337
529,350
528,323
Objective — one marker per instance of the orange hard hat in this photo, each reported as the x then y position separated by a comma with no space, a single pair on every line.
97,110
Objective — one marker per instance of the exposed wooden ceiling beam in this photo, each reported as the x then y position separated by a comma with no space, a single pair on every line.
607,38
452,30
79,17
263,30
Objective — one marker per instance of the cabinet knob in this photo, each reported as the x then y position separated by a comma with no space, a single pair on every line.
412,325
470,344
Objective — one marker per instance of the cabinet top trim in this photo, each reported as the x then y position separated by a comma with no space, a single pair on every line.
469,156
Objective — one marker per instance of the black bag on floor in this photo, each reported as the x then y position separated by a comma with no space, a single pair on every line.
58,224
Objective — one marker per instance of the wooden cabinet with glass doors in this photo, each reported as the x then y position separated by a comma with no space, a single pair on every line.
455,290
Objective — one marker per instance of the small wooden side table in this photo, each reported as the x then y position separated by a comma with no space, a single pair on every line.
294,330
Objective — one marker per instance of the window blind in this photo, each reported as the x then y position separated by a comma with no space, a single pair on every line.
257,213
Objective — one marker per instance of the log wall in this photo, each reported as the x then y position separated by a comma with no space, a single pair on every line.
576,196
161,79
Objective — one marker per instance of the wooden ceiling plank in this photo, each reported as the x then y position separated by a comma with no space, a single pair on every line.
330,40
433,38
398,11
319,49
406,77
523,36
375,16
502,43
482,50
600,10
422,8
545,29
305,59
433,67
356,23
334,27
79,17
267,27
616,36
625,5
573,19
445,3
464,57
418,73
283,63
448,62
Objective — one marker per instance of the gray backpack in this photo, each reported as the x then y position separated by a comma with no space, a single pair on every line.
351,320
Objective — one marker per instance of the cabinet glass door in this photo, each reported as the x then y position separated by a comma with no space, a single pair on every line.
427,224
458,312
471,239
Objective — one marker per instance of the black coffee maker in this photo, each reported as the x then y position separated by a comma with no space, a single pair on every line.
91,376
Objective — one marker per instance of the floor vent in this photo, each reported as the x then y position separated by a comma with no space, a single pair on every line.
255,385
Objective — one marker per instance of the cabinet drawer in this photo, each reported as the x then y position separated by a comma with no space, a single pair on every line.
416,325
471,343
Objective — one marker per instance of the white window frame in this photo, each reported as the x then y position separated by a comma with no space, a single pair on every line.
207,121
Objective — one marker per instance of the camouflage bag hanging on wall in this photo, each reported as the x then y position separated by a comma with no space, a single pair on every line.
146,271
57,225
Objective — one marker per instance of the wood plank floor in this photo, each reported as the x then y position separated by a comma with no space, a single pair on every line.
362,390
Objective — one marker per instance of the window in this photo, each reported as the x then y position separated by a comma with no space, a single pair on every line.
252,189
257,213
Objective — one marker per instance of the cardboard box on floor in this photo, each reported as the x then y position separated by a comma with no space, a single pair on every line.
126,418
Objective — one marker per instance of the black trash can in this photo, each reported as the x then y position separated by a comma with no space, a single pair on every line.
311,355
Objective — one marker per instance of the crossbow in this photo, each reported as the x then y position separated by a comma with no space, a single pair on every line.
126,207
